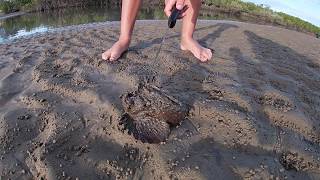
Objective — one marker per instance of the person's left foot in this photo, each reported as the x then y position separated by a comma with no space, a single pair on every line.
116,50
200,52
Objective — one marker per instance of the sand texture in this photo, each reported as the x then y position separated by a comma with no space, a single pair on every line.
254,108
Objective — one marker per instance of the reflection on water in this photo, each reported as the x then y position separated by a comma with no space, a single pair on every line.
32,23
24,32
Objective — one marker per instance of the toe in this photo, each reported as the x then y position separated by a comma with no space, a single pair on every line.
203,55
106,55
209,52
114,56
206,54
199,55
203,58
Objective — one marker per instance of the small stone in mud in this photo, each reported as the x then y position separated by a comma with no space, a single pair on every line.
233,157
150,112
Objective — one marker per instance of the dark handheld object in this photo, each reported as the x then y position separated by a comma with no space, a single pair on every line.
173,18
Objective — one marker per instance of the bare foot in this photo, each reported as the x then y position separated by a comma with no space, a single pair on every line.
116,50
200,52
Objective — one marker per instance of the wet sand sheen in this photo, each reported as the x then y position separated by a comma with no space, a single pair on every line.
254,107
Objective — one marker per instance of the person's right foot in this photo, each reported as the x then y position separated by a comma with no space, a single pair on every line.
200,52
116,50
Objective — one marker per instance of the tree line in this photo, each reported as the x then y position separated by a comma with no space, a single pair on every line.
9,6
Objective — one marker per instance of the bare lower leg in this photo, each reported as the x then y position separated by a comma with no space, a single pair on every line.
129,13
188,27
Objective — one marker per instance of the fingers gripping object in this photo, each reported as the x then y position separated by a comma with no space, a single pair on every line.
173,17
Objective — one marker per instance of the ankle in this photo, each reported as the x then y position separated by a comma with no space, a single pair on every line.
124,40
186,39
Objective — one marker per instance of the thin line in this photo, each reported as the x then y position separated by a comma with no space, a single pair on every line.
163,38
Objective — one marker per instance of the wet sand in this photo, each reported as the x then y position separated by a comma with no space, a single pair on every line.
255,107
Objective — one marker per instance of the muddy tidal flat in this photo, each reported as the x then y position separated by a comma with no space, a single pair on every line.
254,108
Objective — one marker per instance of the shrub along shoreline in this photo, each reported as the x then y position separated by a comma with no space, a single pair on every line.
245,11
261,13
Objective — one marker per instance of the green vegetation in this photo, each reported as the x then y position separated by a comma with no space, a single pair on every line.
298,23
262,12
256,13
8,6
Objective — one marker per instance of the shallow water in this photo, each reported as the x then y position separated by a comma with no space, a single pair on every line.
31,23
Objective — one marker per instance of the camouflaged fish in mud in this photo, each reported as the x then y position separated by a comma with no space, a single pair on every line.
149,113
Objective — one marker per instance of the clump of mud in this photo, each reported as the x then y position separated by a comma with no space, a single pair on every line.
276,102
149,113
291,161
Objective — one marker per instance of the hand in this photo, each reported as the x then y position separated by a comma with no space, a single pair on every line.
180,5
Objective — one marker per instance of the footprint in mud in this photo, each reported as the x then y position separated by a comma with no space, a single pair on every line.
20,75
20,125
276,101
127,165
149,113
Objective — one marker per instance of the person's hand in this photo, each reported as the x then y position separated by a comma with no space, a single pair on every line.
169,6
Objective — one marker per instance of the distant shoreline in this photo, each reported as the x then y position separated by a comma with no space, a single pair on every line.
5,16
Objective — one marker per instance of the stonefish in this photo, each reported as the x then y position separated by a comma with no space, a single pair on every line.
150,113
